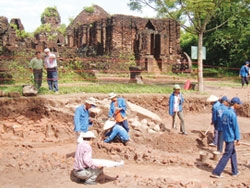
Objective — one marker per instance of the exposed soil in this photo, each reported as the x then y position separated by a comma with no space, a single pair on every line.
38,143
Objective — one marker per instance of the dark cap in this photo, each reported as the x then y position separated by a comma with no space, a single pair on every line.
224,98
236,100
247,63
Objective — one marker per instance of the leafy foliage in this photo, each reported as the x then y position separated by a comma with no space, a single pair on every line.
21,34
229,46
46,28
90,9
49,12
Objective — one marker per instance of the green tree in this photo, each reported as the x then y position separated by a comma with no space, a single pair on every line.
187,40
229,46
193,16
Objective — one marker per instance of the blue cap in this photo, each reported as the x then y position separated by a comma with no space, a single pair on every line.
236,100
224,98
247,63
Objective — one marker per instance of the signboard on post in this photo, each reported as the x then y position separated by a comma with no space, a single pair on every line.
194,52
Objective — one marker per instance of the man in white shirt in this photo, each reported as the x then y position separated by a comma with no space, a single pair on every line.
50,64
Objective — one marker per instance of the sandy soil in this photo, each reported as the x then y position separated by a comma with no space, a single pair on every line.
37,144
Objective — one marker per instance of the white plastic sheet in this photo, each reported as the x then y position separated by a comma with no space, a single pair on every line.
107,163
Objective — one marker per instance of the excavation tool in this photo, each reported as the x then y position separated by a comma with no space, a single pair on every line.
205,134
244,143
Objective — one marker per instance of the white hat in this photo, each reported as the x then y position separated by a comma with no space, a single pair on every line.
52,56
176,86
91,101
88,134
112,95
108,124
46,50
212,98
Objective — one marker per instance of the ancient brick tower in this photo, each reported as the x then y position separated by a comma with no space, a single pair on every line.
154,42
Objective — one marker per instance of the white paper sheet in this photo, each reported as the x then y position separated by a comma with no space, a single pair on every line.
108,163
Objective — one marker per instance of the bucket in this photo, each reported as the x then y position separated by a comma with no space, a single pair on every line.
203,156
216,155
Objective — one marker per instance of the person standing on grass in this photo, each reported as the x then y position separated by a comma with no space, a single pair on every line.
244,74
36,65
176,100
214,101
50,64
231,135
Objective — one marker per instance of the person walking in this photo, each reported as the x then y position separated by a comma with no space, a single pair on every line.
244,74
36,65
117,110
82,120
84,166
231,134
224,103
214,101
50,64
176,101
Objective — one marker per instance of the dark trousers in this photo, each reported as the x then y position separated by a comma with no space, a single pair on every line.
244,80
52,79
38,77
230,153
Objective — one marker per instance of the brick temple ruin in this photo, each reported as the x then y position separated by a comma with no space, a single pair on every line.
155,43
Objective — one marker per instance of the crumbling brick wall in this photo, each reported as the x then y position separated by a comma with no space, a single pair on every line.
151,41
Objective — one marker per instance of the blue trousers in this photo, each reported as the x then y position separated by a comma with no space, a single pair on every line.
124,124
220,141
215,139
52,79
230,153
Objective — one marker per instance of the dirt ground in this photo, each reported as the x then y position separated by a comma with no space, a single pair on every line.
37,144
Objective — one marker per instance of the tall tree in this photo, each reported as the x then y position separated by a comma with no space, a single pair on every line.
229,46
193,16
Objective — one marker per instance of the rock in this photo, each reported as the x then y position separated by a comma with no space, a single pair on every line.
29,90
143,113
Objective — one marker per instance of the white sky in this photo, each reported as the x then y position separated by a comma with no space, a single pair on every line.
30,11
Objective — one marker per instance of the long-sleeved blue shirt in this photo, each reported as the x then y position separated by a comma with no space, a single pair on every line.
171,103
119,131
219,111
121,104
244,71
230,127
81,119
214,116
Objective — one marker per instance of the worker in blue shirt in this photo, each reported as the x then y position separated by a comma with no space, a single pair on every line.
82,120
244,74
214,101
115,132
231,134
224,103
117,110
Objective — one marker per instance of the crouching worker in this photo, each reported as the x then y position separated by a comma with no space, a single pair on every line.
84,167
115,132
